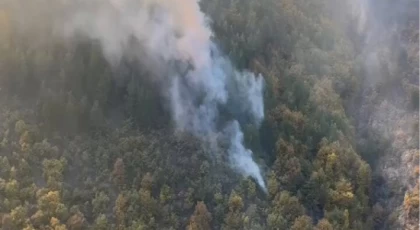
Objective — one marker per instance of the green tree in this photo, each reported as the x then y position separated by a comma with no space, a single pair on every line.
101,223
18,216
100,203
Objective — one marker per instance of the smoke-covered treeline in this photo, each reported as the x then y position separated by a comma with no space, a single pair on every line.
218,114
387,118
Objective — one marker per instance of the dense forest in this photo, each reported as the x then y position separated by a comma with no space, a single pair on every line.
87,143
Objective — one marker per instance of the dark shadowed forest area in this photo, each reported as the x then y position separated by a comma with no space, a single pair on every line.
306,118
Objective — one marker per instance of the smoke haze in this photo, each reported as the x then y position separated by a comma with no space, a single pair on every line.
196,79
388,113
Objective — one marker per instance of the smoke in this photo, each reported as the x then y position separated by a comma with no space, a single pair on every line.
196,78
389,60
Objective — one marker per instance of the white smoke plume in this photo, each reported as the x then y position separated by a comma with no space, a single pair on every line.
174,33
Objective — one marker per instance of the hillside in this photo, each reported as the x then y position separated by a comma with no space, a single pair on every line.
217,114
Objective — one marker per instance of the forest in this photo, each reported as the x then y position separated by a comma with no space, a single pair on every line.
87,142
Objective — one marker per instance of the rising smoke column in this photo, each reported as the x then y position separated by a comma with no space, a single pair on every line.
176,31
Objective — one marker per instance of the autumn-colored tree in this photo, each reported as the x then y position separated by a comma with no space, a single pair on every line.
411,202
234,217
76,221
302,223
323,225
120,209
147,181
201,219
56,225
49,203
118,174
148,204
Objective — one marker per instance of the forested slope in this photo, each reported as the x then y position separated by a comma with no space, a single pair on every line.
87,144
388,116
